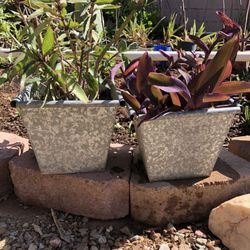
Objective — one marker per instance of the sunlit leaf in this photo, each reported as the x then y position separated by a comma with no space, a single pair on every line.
168,83
131,100
215,97
233,87
48,41
144,68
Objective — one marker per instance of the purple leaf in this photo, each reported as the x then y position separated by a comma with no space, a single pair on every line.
185,75
199,43
168,83
170,58
144,68
114,71
131,67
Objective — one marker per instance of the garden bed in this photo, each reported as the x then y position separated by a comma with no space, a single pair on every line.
11,122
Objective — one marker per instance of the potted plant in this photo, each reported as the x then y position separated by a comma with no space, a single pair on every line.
170,37
63,66
184,113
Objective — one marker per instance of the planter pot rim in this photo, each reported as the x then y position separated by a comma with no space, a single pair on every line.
235,108
62,104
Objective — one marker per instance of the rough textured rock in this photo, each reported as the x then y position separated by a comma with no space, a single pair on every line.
183,201
231,222
10,145
240,146
100,195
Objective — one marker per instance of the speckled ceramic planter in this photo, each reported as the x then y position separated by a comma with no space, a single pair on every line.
184,145
69,136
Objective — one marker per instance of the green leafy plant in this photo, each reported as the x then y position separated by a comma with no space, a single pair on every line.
8,28
63,57
170,32
190,83
138,32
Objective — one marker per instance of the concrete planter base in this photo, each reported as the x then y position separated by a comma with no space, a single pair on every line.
183,201
98,195
184,145
240,146
69,136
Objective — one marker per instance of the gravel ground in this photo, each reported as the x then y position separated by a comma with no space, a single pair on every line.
25,227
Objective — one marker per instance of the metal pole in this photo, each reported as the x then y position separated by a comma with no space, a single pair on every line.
223,6
246,19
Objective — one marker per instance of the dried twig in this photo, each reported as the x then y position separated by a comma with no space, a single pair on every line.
59,227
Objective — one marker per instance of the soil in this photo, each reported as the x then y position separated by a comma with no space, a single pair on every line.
10,121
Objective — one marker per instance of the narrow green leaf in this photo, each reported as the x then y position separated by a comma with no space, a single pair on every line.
77,90
36,13
93,86
42,26
48,41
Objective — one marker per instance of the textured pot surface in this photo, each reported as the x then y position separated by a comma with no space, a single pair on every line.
184,145
70,137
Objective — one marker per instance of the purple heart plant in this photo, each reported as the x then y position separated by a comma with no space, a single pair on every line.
189,83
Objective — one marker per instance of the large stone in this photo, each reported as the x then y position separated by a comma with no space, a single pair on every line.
231,222
10,145
99,195
240,146
183,201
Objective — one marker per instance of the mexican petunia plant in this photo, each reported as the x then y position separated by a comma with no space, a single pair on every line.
189,83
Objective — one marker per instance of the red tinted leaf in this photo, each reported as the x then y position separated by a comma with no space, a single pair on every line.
131,100
233,87
168,84
215,98
175,99
144,68
157,93
225,74
228,22
209,78
131,67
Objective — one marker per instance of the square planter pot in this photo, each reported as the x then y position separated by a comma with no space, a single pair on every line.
69,136
184,144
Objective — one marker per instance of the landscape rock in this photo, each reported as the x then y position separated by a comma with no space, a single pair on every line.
181,201
10,145
32,247
230,221
99,195
240,146
164,246
55,242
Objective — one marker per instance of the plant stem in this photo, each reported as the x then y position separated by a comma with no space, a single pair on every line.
89,35
113,40
184,18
